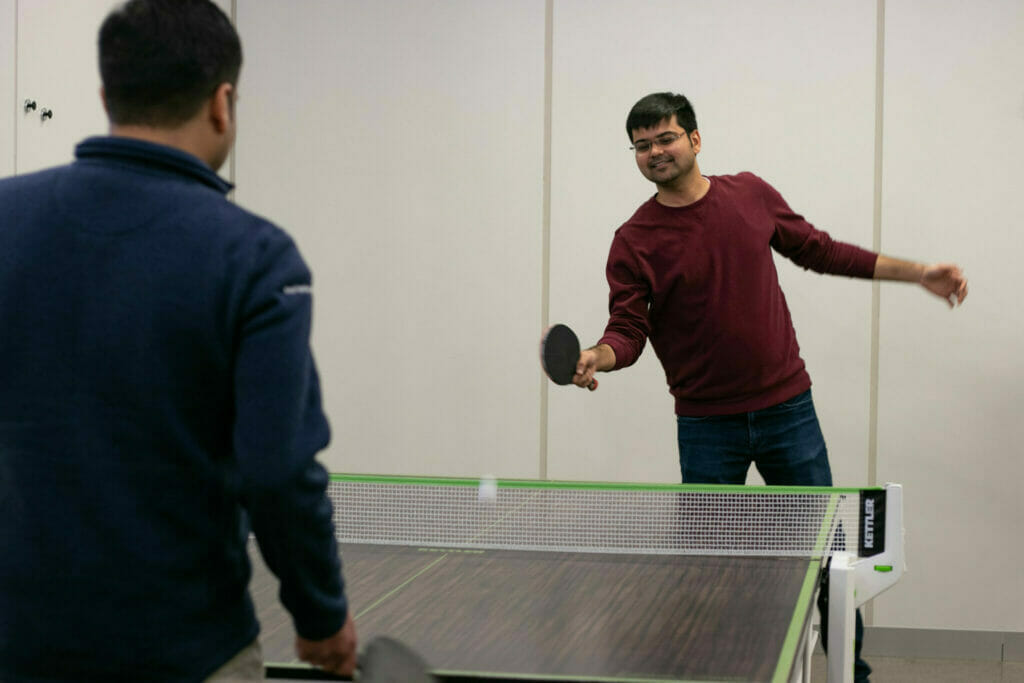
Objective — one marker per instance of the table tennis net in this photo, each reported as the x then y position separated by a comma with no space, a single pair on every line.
665,520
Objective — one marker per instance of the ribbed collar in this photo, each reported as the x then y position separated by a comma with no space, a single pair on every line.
152,155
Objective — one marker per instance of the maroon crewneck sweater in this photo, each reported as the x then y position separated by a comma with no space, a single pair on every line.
700,282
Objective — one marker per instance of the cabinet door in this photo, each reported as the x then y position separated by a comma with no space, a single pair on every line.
58,70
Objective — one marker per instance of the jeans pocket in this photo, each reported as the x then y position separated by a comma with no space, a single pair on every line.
695,419
798,401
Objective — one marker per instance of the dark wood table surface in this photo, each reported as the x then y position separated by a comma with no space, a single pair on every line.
475,614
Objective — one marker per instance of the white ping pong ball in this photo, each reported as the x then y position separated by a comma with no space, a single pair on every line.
488,491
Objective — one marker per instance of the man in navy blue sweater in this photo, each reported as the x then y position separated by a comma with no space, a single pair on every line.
158,396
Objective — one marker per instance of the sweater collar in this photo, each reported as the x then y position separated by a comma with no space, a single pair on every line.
153,155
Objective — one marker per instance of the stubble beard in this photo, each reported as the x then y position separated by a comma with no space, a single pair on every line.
669,181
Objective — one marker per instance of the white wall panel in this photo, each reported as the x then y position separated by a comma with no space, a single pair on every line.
951,383
784,89
402,145
8,33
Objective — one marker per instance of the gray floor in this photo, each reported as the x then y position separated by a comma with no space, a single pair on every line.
919,670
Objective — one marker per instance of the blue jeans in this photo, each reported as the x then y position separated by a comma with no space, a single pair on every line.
786,445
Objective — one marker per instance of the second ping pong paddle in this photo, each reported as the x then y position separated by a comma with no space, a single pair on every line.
385,660
559,353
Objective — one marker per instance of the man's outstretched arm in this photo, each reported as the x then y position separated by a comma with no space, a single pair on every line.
944,280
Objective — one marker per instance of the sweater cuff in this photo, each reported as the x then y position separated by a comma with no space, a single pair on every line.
621,349
323,625
867,261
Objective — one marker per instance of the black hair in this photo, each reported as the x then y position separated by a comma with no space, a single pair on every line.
660,106
161,59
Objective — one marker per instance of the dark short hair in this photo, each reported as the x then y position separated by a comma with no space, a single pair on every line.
660,106
161,59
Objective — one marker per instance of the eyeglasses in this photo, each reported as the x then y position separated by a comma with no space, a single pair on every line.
663,140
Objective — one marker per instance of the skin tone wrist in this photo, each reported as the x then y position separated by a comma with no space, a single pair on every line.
888,268
605,357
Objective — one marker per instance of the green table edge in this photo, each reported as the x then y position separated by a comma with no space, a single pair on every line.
794,634
302,671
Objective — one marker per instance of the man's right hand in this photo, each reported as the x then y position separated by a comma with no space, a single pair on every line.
600,358
335,654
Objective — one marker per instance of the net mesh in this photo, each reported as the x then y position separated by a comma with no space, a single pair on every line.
567,519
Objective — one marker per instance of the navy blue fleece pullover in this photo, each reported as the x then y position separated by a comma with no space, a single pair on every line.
155,381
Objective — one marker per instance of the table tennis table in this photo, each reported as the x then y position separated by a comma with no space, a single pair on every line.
580,581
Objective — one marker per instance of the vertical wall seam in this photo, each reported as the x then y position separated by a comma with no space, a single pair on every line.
876,243
18,111
545,294
876,240
234,148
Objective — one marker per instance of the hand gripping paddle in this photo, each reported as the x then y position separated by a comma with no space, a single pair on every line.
559,353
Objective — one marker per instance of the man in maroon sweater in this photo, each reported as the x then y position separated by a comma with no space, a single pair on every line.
692,270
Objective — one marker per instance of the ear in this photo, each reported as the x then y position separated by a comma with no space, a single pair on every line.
222,107
695,140
103,99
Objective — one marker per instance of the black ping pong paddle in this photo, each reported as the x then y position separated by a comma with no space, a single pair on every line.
559,353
